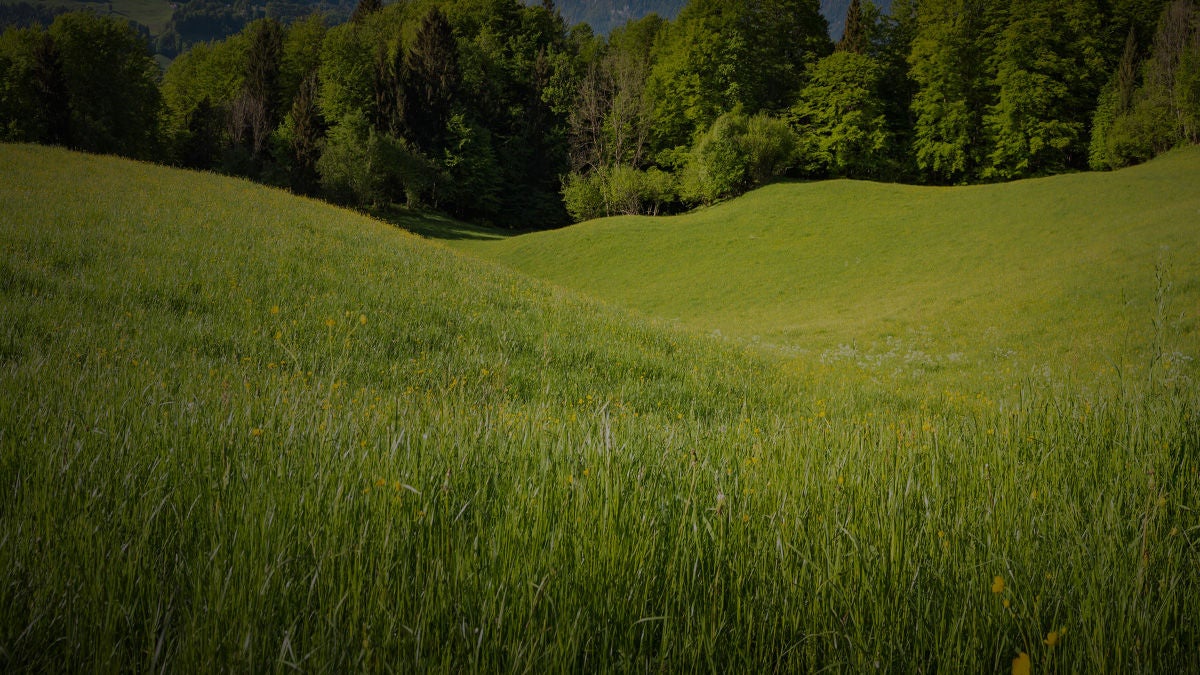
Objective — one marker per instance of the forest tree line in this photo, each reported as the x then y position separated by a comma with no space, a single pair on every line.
499,112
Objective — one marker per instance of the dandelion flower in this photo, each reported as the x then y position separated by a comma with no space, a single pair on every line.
1052,638
1021,664
275,309
998,584
330,323
362,319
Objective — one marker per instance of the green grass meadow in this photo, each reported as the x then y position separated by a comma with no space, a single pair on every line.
1059,273
244,431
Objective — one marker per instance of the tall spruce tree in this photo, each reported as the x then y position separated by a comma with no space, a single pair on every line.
307,129
363,9
431,83
53,99
256,111
854,37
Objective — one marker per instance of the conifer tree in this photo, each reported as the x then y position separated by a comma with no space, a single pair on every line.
50,86
854,38
255,113
431,83
306,132
365,8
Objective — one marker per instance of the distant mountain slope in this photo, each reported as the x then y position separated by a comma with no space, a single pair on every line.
605,15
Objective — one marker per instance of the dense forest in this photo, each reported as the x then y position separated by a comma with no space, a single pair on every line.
500,112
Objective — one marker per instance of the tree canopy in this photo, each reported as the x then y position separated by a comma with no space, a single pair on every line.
501,112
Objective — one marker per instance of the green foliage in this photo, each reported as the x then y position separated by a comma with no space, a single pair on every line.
736,154
719,56
114,99
362,167
431,83
1143,132
583,195
1164,110
946,66
617,190
471,184
347,72
302,136
1048,68
301,55
840,117
499,101
855,37
34,99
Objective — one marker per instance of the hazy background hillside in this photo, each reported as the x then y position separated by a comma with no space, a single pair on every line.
605,15
172,27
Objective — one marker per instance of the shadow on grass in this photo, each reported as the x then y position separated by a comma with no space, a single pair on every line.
440,226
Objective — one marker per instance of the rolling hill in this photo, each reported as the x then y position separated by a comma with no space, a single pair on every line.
245,431
1060,272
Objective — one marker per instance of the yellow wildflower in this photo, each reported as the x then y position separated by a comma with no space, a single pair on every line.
1052,638
330,323
362,319
275,309
1021,664
256,432
998,584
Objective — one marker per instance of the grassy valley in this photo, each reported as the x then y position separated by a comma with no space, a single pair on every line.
1077,274
241,430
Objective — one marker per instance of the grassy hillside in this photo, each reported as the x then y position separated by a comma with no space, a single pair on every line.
1061,272
245,431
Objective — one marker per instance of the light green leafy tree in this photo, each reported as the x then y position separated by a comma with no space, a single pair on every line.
1049,67
840,117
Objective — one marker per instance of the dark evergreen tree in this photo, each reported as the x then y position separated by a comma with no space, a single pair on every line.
257,111
112,83
431,83
365,8
387,86
198,149
53,111
1127,72
854,38
307,130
